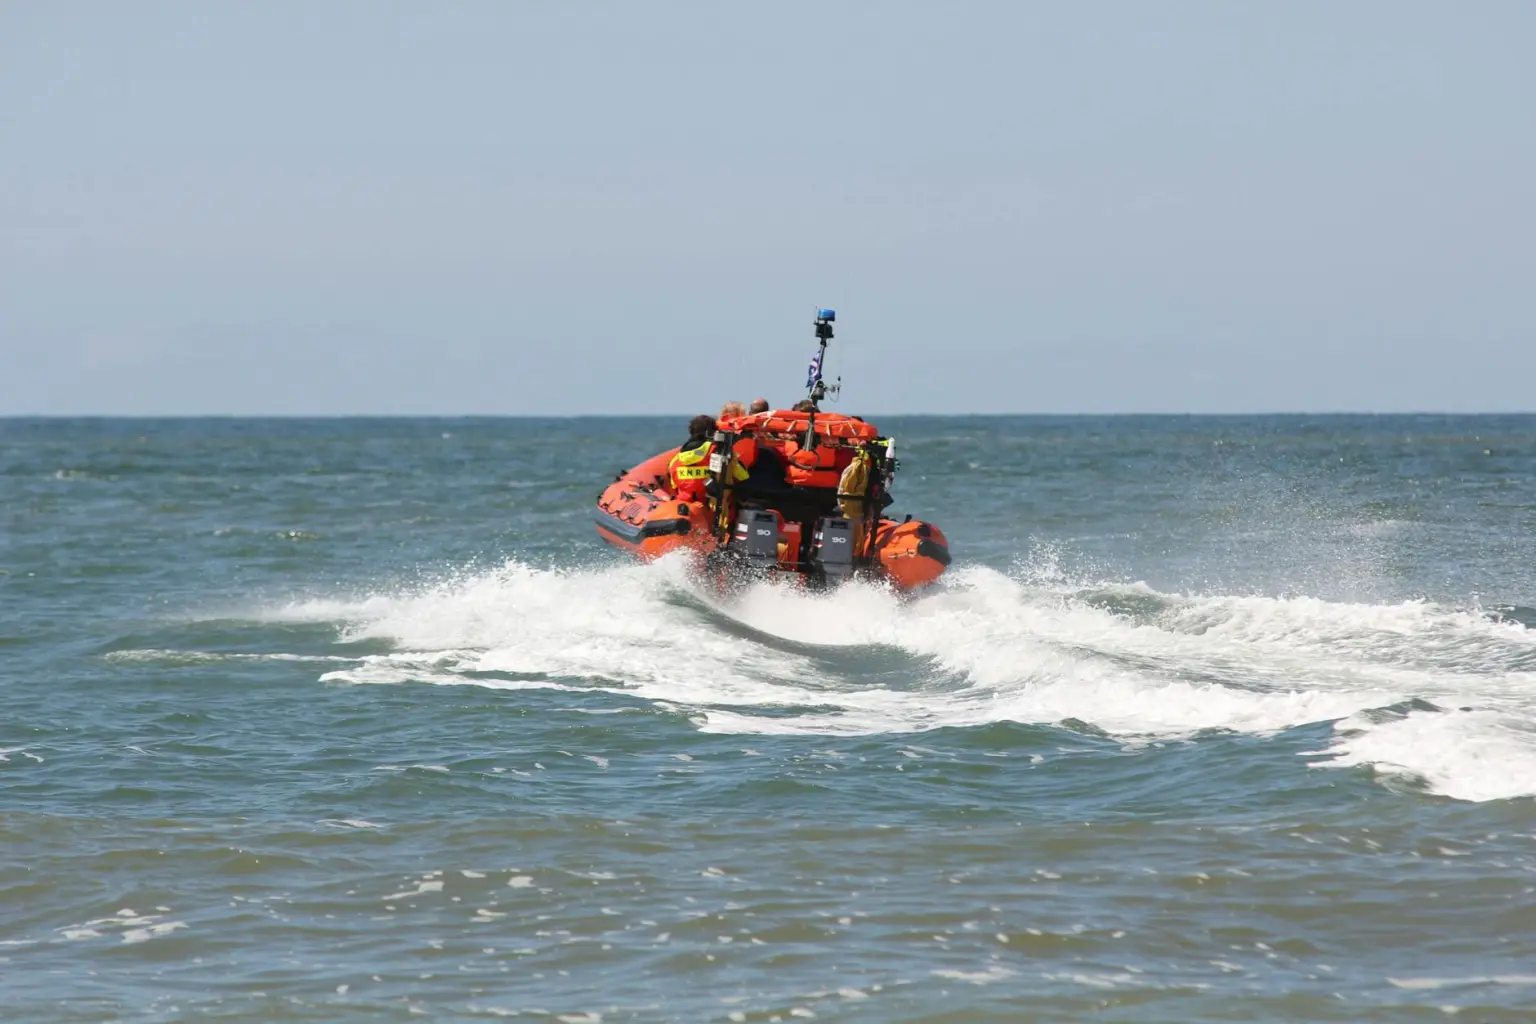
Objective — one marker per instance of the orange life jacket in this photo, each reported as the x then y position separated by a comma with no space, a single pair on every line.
821,466
789,421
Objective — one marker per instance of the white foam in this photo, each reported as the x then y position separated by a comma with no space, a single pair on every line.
131,927
422,887
984,977
136,935
1477,754
984,647
1434,983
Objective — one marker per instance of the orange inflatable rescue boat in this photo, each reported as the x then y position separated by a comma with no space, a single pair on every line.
789,493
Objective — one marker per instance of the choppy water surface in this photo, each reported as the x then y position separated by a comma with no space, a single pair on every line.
1214,719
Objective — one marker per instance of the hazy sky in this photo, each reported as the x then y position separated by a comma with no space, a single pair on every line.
561,207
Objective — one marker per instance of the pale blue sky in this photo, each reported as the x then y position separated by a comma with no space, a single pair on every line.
563,207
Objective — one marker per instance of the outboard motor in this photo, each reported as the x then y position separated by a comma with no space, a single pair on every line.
832,548
757,533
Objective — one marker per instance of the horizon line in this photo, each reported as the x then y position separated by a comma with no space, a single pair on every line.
5,416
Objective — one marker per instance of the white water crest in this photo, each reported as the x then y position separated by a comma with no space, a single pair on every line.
1027,647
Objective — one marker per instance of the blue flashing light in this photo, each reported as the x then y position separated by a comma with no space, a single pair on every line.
828,315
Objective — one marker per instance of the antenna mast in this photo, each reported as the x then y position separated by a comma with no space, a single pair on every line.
816,388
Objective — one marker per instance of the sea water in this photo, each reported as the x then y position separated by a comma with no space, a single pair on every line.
1212,719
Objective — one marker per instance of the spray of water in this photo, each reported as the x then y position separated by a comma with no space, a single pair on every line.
1029,646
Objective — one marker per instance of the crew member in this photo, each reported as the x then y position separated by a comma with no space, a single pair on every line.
688,471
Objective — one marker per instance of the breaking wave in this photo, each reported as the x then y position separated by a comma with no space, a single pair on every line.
1441,695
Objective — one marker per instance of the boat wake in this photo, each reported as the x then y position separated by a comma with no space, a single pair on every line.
1445,696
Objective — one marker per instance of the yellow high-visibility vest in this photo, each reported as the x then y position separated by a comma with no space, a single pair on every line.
693,464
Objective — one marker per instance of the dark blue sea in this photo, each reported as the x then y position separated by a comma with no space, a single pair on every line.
1212,719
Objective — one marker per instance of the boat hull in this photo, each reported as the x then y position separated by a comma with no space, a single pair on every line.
638,514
